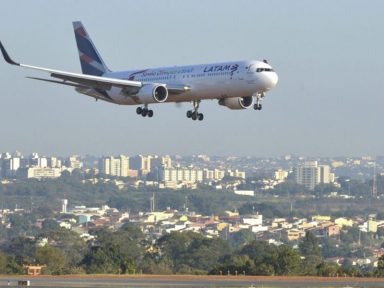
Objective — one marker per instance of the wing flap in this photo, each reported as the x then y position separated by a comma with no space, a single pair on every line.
57,82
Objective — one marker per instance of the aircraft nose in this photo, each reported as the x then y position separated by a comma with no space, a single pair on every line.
268,80
271,80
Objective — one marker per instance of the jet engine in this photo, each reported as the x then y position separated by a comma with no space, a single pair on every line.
237,103
152,93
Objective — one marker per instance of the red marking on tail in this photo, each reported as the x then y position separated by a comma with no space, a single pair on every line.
80,31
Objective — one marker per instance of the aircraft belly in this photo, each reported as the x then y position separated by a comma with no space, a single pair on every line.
199,90
213,90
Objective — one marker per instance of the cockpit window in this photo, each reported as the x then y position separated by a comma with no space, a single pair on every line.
264,70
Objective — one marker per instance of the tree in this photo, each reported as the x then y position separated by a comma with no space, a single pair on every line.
203,254
190,252
115,252
21,225
102,259
348,268
233,263
379,272
70,243
241,238
310,265
268,210
159,267
323,189
55,260
309,245
328,269
289,188
8,265
50,224
288,262
330,248
272,260
380,230
23,249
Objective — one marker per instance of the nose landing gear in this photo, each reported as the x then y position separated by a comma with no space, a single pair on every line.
144,111
194,114
258,105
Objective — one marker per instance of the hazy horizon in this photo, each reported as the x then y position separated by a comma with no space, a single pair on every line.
292,155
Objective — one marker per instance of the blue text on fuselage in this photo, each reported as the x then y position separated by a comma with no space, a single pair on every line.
221,68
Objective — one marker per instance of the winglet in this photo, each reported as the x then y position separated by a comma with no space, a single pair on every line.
6,56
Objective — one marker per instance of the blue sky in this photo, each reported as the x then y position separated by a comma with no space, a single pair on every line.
328,54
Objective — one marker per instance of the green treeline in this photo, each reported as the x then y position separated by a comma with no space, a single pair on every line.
127,251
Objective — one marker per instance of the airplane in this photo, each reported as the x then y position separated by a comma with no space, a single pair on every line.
236,84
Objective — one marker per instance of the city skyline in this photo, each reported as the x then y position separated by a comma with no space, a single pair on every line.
327,103
31,152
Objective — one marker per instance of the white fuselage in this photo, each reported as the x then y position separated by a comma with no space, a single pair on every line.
207,81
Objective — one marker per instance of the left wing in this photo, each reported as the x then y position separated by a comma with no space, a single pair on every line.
77,79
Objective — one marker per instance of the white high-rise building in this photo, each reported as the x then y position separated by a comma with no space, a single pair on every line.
118,166
10,165
74,162
188,175
215,174
161,162
281,175
311,174
124,166
53,162
141,163
236,173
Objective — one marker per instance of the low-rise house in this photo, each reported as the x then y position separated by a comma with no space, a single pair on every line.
342,221
253,219
258,228
276,222
294,234
65,225
321,218
332,230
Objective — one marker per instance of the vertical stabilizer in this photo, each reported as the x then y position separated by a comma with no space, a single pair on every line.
90,59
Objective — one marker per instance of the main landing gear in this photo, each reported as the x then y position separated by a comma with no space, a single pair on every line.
144,111
194,114
258,105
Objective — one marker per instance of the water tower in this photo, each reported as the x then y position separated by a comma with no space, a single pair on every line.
64,203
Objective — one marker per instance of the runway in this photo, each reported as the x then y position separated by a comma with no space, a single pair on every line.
188,281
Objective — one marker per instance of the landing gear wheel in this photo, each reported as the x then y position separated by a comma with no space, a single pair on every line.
194,113
257,106
144,111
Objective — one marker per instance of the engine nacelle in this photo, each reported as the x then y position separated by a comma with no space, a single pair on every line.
237,103
152,93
